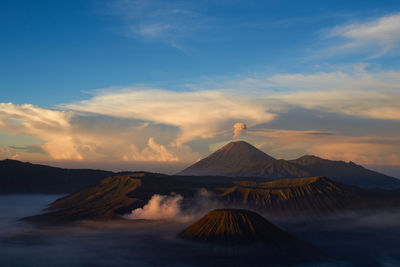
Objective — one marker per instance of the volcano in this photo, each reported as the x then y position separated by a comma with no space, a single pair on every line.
118,195
241,159
234,159
257,238
236,226
290,197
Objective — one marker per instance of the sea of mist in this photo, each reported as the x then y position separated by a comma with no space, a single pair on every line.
350,240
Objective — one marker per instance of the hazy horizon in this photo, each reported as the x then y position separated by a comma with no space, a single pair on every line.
167,167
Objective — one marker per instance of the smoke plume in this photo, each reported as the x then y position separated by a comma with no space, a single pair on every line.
238,128
161,207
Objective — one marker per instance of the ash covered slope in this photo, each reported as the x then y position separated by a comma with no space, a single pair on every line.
308,196
101,201
260,242
114,196
241,159
235,226
311,195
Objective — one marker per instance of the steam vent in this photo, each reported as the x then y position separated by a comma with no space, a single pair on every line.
236,226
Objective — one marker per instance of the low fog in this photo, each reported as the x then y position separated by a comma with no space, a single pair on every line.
149,237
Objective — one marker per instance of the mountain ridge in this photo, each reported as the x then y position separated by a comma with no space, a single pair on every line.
221,163
25,177
115,196
345,172
309,195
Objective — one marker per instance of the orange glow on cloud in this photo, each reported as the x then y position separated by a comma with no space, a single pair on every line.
365,150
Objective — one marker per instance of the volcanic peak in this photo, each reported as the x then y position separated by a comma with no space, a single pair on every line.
235,226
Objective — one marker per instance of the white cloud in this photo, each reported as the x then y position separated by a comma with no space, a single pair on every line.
200,114
157,125
53,126
151,20
69,136
152,152
378,36
358,103
354,91
365,150
358,93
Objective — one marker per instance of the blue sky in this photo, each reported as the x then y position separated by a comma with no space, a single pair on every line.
60,49
302,67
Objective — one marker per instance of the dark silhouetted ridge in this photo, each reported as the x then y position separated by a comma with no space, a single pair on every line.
24,177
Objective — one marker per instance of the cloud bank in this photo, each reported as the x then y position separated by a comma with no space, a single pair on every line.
367,150
67,135
199,114
157,125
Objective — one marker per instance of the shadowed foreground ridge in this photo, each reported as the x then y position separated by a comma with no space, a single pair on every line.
236,226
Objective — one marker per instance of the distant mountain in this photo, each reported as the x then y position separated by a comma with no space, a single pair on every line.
236,226
240,159
24,177
345,172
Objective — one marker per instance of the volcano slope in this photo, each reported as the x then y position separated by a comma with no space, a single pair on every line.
113,197
345,172
254,234
236,226
241,159
235,159
304,196
119,195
